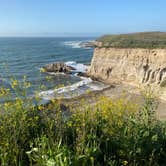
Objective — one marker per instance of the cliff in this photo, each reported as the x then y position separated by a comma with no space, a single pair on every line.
131,65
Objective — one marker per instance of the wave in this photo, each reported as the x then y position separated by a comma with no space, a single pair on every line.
79,67
76,89
64,91
73,44
55,74
78,44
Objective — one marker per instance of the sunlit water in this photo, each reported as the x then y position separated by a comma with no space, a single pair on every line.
25,56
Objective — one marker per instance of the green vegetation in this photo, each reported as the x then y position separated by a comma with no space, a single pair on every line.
111,133
135,40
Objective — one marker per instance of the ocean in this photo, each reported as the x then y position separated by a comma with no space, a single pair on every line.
21,57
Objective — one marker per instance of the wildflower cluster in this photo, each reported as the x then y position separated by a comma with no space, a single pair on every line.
111,132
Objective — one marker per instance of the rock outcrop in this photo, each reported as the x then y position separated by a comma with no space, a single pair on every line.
132,65
58,67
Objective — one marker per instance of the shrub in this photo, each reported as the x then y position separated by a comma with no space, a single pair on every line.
109,133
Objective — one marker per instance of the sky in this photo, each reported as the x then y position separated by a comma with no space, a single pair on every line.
80,17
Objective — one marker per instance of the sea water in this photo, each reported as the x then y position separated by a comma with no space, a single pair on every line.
21,57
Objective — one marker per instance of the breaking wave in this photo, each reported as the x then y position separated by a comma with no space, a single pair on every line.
76,89
65,92
79,67
77,44
73,44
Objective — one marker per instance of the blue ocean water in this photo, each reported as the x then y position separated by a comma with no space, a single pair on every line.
25,56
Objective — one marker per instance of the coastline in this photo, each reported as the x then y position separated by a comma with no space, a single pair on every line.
114,92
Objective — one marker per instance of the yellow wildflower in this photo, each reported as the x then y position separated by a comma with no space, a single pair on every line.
4,92
42,70
14,83
125,162
6,105
27,84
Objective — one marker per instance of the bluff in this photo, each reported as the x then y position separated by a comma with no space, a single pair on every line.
129,65
143,63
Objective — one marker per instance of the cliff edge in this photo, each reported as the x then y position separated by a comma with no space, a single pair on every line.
129,65
135,65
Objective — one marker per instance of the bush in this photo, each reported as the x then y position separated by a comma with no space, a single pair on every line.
109,133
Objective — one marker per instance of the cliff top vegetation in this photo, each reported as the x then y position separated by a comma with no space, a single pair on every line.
135,40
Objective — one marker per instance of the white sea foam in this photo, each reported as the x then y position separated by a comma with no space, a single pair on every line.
76,89
73,44
73,90
53,73
51,94
77,44
79,67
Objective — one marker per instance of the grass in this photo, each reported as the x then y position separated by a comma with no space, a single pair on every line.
110,133
149,40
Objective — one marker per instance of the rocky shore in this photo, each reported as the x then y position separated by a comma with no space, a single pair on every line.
124,69
114,91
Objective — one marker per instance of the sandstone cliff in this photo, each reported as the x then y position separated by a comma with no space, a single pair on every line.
132,65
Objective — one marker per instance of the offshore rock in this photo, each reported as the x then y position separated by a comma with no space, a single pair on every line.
58,67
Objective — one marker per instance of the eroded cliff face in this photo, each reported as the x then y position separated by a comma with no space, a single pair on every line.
145,66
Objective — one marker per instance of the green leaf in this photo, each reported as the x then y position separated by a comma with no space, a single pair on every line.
154,137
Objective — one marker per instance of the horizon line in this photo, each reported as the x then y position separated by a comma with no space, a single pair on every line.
45,36
90,34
